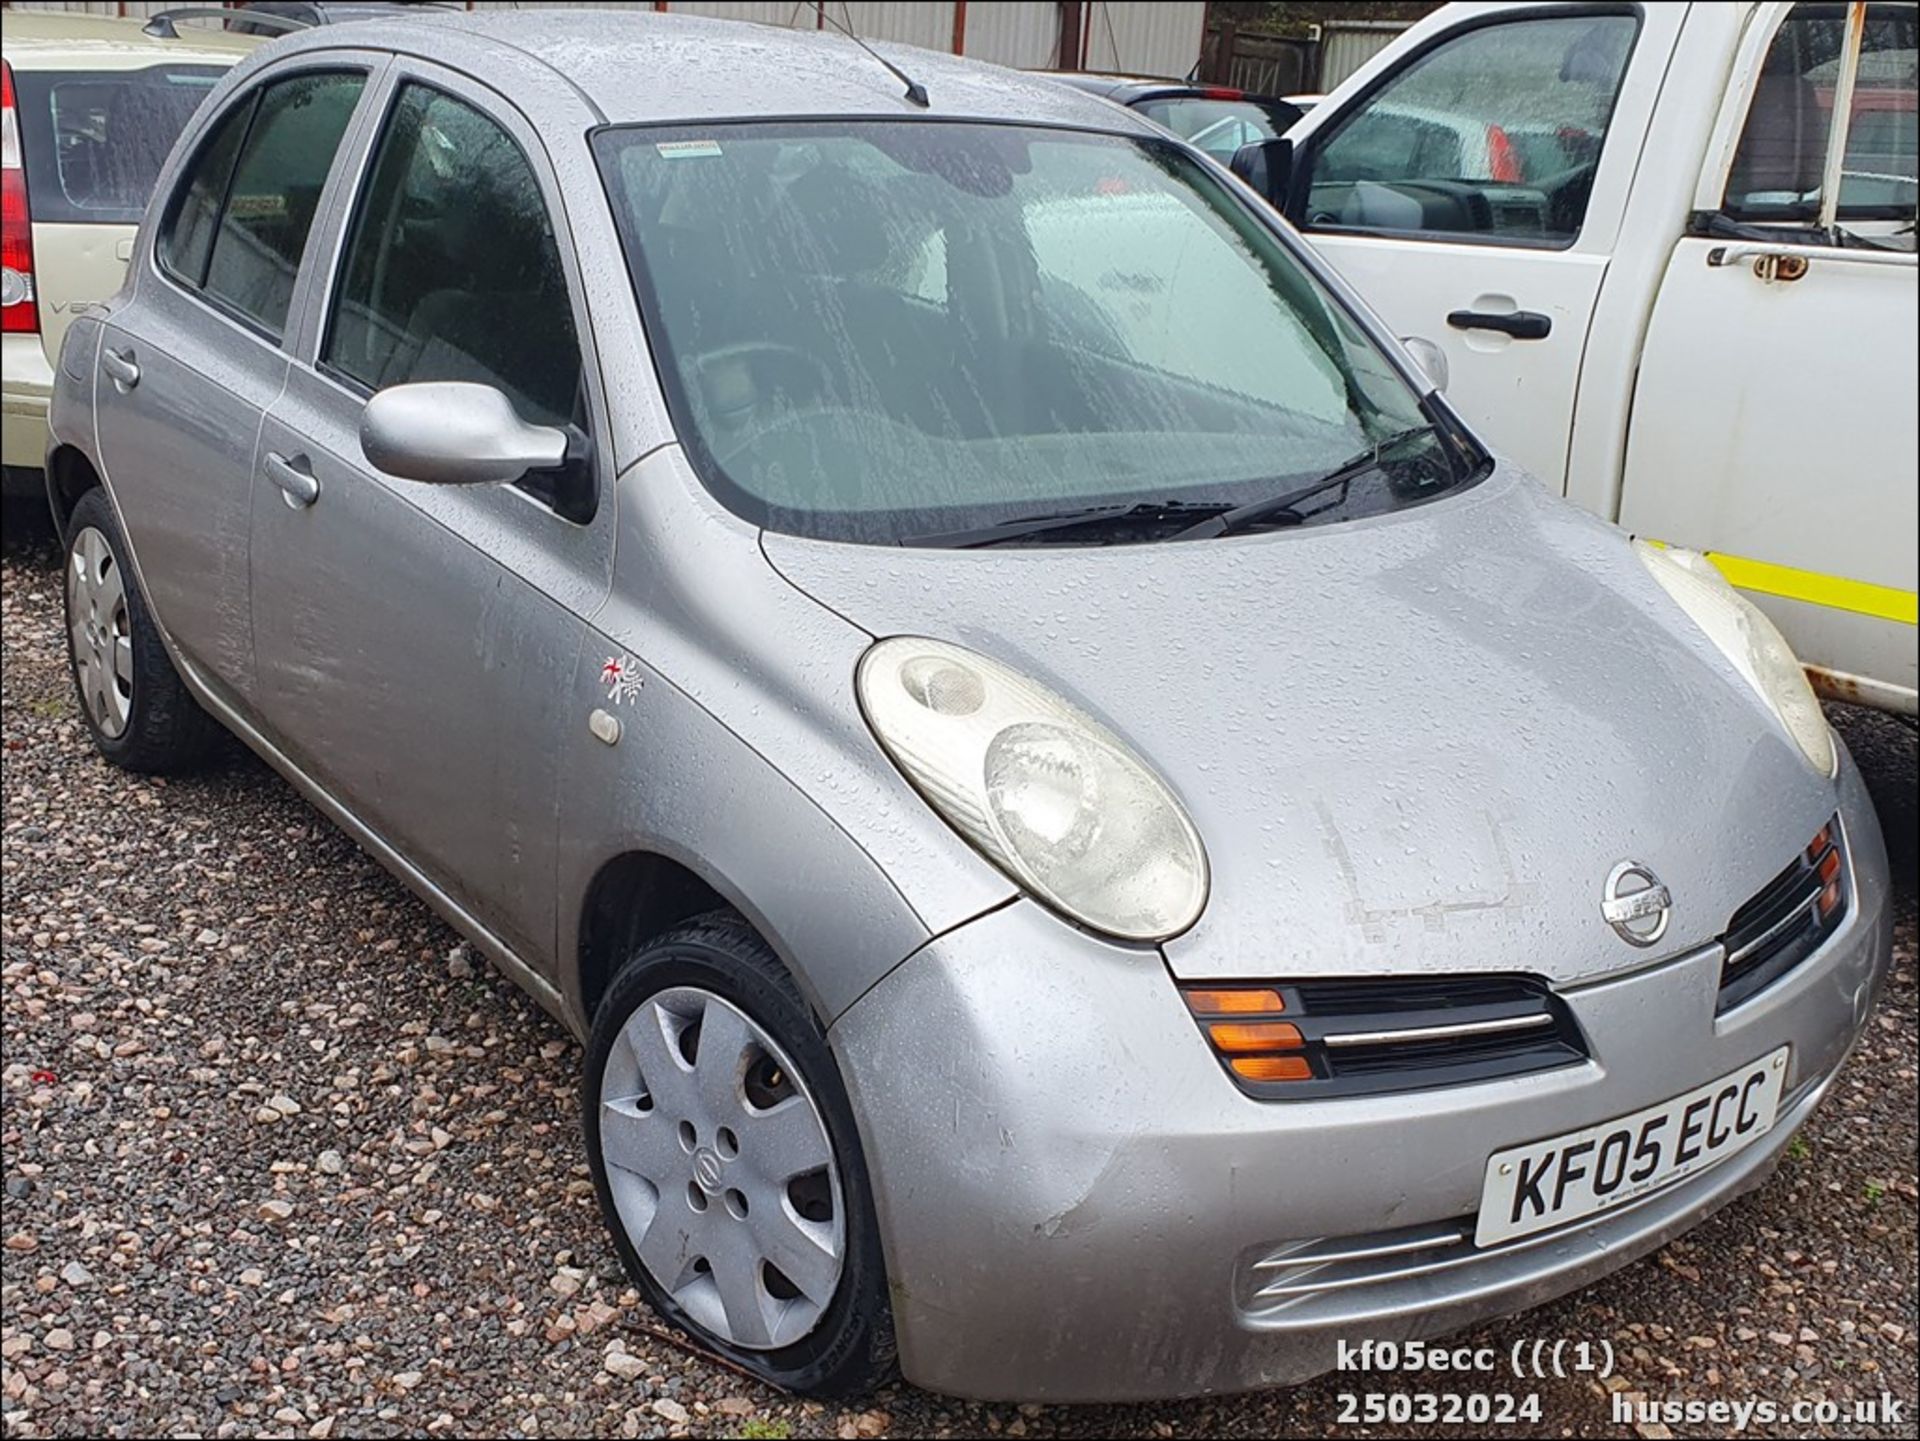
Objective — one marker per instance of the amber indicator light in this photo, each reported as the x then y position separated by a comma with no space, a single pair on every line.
1272,1068
1255,1036
1220,1001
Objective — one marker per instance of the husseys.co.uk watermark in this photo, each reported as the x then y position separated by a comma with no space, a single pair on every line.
1878,1412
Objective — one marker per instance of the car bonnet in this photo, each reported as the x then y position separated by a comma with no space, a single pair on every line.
1419,741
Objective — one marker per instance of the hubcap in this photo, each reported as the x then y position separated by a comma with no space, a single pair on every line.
99,632
721,1170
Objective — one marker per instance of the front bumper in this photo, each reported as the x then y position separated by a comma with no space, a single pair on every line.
1073,1197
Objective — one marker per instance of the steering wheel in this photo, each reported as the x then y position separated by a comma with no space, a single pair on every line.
752,387
1567,192
764,378
816,423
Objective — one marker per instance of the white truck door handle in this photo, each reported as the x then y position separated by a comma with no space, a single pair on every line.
1520,324
295,478
1769,264
1776,262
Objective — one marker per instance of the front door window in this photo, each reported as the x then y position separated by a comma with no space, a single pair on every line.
1494,134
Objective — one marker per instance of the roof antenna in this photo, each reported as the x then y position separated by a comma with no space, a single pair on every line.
916,92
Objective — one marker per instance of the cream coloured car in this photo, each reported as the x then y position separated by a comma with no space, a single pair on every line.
92,106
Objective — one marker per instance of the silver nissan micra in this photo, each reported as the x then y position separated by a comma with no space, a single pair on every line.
1098,842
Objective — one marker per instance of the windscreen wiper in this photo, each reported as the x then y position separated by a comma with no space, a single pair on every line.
1141,515
1284,509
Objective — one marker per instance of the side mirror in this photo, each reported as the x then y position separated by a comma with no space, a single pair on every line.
1429,357
1266,165
453,432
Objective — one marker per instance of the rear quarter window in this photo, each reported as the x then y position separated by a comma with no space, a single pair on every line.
94,141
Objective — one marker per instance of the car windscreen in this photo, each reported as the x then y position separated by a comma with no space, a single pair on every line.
1217,126
95,140
881,331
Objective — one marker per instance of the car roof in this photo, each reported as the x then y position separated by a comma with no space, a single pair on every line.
59,40
647,67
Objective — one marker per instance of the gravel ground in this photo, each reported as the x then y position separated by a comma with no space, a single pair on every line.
281,1158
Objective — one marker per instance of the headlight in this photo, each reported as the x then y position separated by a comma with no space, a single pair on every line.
1748,639
1046,793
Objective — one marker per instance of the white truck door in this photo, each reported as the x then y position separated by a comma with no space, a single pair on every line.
1773,421
1469,182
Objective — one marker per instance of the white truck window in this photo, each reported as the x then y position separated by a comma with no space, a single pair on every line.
1778,168
1496,132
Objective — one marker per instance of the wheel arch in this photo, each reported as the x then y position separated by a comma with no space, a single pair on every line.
632,897
70,475
818,901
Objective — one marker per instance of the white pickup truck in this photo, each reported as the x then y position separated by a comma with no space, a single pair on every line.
1664,255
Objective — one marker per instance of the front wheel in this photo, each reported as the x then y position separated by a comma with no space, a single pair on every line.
728,1165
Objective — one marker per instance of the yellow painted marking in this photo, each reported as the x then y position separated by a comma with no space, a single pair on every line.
1836,592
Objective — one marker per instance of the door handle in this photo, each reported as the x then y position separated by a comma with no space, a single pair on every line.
1520,324
1722,255
119,365
295,478
1768,264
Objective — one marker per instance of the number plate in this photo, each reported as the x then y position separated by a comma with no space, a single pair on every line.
1549,1183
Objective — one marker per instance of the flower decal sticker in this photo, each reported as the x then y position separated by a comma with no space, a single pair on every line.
622,679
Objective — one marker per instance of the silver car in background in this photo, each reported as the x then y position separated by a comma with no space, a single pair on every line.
1098,842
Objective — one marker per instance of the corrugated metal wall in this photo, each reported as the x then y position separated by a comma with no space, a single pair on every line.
925,24
1144,37
139,9
1019,34
1346,45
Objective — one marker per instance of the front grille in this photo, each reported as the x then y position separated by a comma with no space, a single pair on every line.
1301,1272
1788,920
1332,1278
1305,1040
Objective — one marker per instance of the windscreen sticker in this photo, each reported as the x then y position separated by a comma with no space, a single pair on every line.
687,149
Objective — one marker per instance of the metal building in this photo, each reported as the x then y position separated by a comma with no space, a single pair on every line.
1346,45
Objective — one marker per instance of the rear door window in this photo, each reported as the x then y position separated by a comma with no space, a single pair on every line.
186,239
237,226
1779,168
95,141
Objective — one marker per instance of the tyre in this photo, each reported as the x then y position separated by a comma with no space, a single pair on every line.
134,702
728,1165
